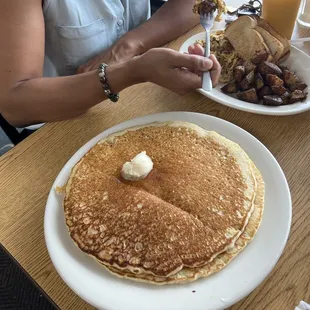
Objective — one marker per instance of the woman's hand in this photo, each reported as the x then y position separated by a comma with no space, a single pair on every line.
197,49
178,72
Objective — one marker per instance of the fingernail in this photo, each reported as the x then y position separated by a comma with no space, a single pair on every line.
207,63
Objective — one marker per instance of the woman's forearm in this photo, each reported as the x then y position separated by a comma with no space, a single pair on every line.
172,20
53,99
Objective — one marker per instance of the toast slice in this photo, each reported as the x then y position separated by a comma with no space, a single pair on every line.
284,57
264,24
245,39
275,46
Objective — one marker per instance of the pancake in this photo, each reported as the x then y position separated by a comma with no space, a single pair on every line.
191,274
192,207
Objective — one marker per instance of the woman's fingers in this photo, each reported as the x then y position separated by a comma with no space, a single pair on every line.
186,81
196,49
192,62
215,71
177,71
192,76
195,65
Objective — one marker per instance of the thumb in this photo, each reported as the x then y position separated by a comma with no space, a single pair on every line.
191,62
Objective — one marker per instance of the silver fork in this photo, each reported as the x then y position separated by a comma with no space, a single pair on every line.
206,21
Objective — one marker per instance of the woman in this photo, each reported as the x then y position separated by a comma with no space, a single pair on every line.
51,50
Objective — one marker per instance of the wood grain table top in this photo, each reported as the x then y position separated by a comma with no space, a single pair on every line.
28,171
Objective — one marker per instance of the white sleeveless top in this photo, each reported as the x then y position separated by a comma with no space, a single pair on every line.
77,30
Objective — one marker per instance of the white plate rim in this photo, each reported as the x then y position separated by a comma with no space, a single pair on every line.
182,116
231,102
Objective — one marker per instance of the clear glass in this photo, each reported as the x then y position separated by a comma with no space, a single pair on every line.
281,15
304,13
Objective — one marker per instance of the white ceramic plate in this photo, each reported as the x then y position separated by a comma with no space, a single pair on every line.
298,62
105,291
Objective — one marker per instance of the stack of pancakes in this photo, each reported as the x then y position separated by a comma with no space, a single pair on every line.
196,210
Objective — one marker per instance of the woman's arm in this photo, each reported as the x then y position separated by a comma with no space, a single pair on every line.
25,96
52,99
173,19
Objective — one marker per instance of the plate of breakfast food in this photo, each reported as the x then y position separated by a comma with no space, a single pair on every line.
169,211
261,72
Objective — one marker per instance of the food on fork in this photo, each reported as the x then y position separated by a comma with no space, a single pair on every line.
209,6
204,7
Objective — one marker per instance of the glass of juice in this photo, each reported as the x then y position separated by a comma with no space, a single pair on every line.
281,15
304,13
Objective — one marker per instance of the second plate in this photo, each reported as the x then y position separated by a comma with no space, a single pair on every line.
298,61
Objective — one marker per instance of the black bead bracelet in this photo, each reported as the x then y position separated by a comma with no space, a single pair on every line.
104,82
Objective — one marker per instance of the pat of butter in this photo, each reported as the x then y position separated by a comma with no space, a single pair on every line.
138,168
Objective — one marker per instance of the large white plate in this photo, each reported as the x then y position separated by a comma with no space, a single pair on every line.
105,291
298,62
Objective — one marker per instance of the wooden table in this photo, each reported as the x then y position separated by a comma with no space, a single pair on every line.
28,171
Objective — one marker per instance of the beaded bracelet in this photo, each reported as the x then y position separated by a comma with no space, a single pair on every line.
104,83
